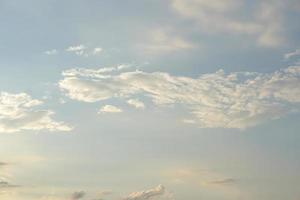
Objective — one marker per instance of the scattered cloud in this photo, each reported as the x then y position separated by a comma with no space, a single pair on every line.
97,50
82,50
147,194
110,109
234,100
289,55
51,52
18,112
77,48
136,103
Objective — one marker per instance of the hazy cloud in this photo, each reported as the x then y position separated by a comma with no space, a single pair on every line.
161,41
292,54
223,16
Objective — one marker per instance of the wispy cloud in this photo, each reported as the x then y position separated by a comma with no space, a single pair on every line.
18,112
82,50
221,16
289,55
234,100
51,52
163,41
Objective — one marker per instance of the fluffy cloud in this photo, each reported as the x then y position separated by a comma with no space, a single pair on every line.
148,194
110,109
18,112
234,100
224,16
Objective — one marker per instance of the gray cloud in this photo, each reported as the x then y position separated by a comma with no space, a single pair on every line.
223,181
78,195
3,164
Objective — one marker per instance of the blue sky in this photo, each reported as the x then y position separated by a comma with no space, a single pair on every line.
138,100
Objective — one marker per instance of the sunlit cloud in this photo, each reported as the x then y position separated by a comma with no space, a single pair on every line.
19,112
110,109
136,103
147,194
234,100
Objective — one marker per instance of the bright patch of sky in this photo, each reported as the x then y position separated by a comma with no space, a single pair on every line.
145,100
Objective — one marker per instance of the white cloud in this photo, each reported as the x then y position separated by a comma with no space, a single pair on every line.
76,48
51,52
136,103
110,109
292,54
97,50
18,112
148,194
82,50
234,100
224,16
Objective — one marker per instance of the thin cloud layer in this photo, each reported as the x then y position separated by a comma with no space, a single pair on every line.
18,112
235,100
224,16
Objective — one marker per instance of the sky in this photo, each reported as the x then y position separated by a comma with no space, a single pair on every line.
149,100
